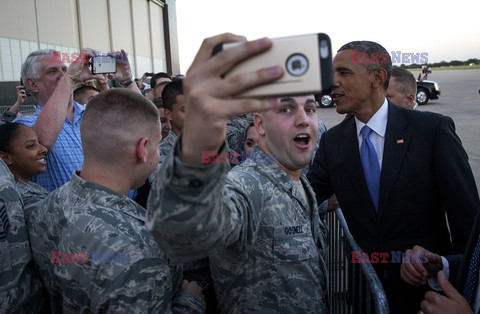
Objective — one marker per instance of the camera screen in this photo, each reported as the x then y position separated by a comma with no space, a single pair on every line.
104,64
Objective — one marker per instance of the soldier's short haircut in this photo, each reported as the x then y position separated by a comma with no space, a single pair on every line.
153,80
114,121
82,90
158,102
170,93
370,47
405,80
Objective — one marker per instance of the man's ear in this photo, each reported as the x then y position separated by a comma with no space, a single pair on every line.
380,76
258,120
141,149
31,85
410,99
168,114
6,158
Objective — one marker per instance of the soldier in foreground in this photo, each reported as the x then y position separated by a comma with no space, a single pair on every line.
88,238
259,222
21,291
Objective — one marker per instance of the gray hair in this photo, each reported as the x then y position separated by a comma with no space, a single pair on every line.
32,64
370,48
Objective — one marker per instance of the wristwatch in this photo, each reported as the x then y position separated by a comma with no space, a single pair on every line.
126,83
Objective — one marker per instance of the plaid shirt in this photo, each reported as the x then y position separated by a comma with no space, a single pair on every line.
67,153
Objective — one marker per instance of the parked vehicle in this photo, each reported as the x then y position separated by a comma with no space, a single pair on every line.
426,90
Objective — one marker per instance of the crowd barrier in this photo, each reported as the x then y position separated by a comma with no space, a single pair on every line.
352,287
25,110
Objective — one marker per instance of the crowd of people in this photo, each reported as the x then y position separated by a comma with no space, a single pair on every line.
178,197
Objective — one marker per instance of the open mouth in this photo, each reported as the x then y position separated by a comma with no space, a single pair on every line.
42,161
302,140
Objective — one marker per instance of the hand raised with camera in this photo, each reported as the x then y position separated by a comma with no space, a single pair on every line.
208,96
124,73
102,84
21,94
79,69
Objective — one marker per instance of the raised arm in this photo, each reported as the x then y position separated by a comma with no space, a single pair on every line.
193,208
58,105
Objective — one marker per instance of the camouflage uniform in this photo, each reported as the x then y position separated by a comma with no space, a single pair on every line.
96,256
31,193
197,270
166,145
266,245
236,130
20,288
164,149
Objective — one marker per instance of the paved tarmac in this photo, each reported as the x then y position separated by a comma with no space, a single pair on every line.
459,99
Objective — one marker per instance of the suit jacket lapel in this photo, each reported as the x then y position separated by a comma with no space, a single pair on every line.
353,166
397,139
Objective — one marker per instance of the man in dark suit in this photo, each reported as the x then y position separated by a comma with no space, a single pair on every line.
395,178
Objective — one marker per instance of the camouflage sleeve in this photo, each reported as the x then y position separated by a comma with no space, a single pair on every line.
146,287
164,148
194,209
236,130
21,291
186,302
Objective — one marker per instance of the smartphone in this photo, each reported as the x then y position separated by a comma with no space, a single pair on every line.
306,60
103,64
26,92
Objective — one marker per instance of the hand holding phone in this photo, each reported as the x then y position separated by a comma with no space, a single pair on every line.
123,71
23,89
306,60
103,64
80,69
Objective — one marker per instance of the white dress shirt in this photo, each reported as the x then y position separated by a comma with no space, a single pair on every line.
378,124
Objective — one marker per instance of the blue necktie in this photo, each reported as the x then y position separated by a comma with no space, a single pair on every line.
472,279
371,167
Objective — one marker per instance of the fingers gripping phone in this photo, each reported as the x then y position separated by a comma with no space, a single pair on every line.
103,64
306,61
26,92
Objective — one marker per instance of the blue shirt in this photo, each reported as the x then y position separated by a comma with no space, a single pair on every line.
67,154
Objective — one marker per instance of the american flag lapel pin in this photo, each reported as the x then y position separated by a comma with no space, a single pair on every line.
400,141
